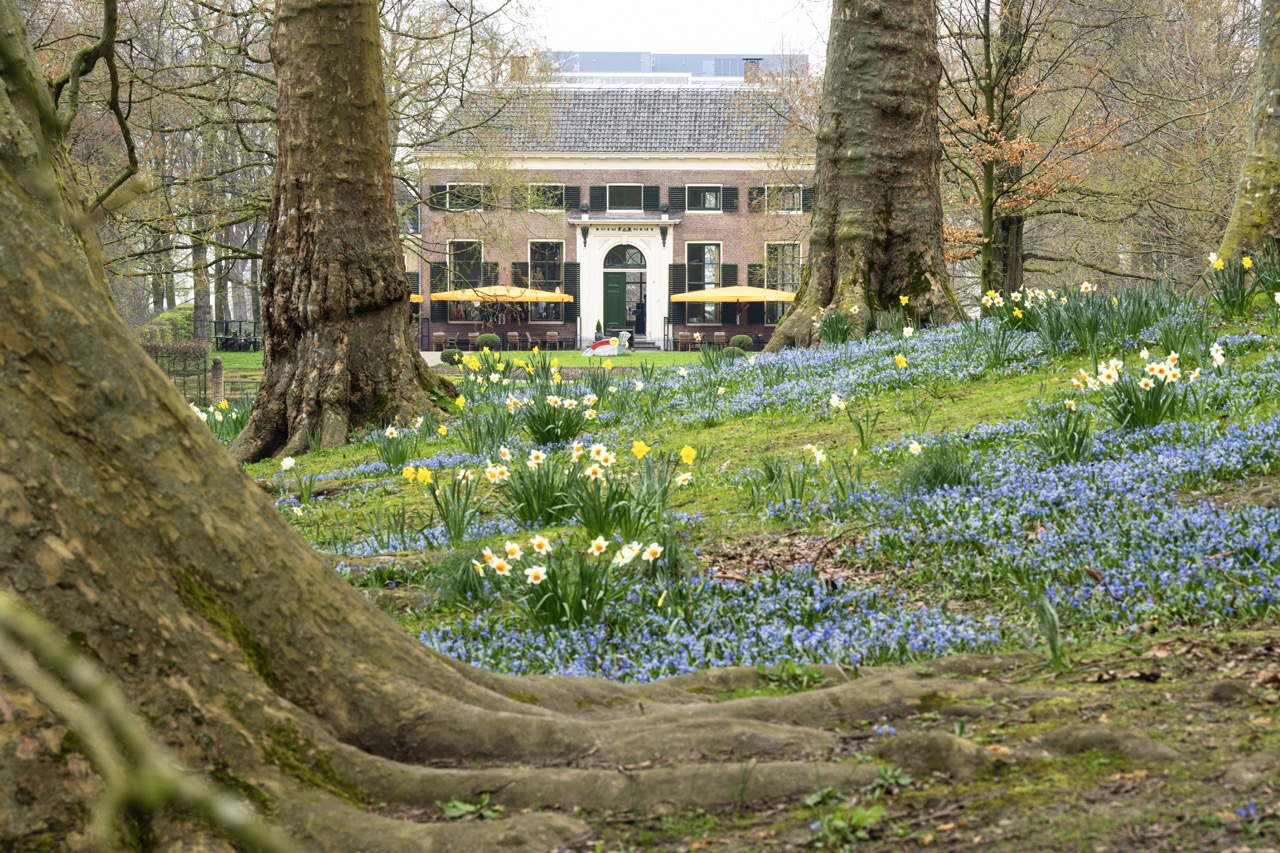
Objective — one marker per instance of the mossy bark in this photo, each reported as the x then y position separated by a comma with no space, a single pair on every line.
877,214
1255,217
125,525
339,352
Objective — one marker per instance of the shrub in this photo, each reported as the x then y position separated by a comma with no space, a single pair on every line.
451,356
175,325
490,340
742,342
732,353
941,464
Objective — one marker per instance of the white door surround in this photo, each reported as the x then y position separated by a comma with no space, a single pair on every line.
645,235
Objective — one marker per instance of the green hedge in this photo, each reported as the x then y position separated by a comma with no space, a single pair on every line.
742,342
176,325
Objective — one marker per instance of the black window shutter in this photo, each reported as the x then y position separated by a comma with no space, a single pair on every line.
728,275
520,273
519,198
676,199
489,273
755,313
599,199
755,199
436,196
652,198
729,199
806,199
755,275
439,284
572,287
415,286
488,197
676,285
572,198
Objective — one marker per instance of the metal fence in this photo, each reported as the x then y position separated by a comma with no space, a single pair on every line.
186,363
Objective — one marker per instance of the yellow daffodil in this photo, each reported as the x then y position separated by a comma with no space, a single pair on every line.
442,429
409,473
640,449
688,454
1247,263
460,402
904,299
1017,312
555,362
608,365
1218,264
900,360
425,476
224,404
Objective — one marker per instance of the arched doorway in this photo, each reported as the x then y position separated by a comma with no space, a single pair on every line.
624,289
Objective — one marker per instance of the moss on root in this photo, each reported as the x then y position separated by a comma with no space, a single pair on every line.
196,593
300,758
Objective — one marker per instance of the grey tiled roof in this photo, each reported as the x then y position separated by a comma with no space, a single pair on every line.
642,119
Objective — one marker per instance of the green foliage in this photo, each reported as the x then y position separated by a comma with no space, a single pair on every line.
1141,399
460,810
833,326
226,419
844,827
576,590
490,340
540,494
791,677
1051,629
732,353
456,508
171,326
484,430
396,446
451,356
742,342
548,420
1063,433
937,466
1231,288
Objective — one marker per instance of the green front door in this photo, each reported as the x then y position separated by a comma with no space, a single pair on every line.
615,300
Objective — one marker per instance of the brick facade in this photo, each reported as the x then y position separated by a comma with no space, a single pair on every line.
742,235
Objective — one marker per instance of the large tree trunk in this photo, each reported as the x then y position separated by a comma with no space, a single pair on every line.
1007,256
339,353
127,527
877,214
1256,213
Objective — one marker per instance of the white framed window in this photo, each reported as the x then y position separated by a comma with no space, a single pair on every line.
464,196
782,266
784,198
626,196
704,198
466,270
702,272
546,272
546,198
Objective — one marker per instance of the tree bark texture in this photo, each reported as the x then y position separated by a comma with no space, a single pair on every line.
335,300
1256,213
1007,243
877,215
125,525
200,288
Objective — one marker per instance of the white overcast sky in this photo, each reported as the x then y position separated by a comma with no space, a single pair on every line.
743,27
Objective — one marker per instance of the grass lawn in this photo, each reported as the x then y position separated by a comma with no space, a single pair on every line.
574,358
240,360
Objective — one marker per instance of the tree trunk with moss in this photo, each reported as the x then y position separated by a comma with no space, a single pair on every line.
877,215
339,354
125,525
1256,213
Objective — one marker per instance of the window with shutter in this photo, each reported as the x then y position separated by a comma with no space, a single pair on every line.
415,286
652,198
728,275
439,284
546,197
806,199
755,199
702,198
782,272
520,199
704,273
572,287
599,199
489,273
464,196
755,275
572,198
784,198
624,197
729,199
466,270
545,271
519,274
675,199
675,285
437,197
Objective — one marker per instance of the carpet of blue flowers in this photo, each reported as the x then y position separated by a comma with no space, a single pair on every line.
944,538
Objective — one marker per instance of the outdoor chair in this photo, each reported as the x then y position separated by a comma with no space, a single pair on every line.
531,341
471,340
553,340
720,339
513,341
437,341
684,341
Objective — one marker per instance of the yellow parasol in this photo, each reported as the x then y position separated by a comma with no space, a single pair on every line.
735,294
500,293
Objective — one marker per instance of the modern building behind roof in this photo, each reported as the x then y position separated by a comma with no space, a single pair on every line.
725,65
621,196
